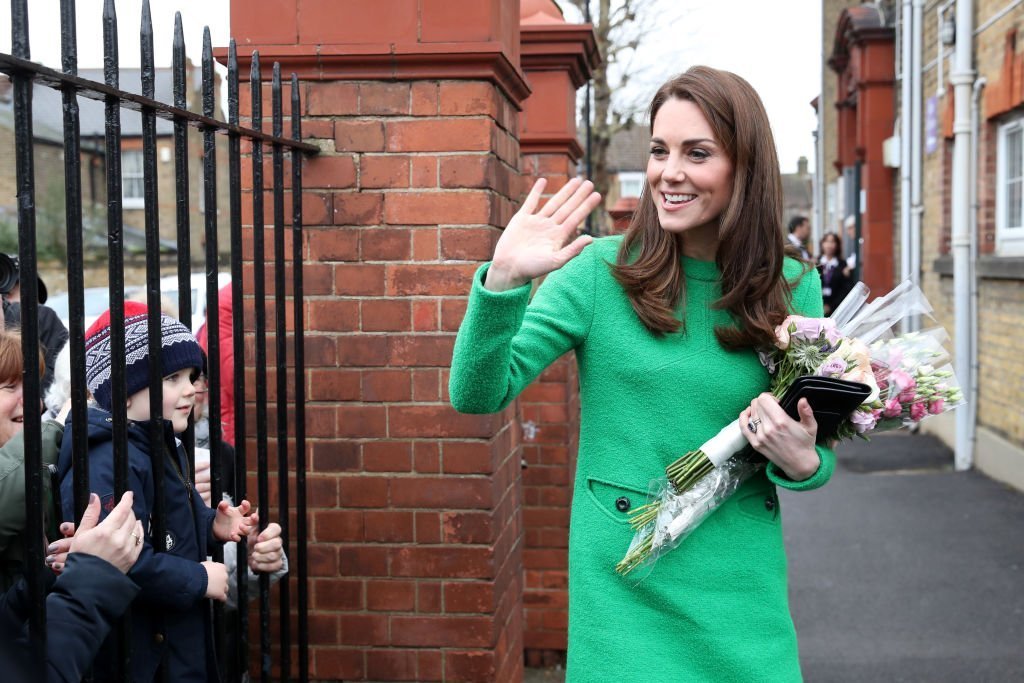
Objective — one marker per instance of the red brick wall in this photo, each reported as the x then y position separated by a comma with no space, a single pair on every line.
415,511
549,422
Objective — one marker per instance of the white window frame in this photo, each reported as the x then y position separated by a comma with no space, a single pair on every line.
1009,239
131,201
632,178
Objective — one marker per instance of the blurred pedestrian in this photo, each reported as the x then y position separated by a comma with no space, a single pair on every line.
52,333
799,231
835,283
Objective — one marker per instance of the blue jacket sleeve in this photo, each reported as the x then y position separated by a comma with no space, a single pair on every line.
165,579
80,610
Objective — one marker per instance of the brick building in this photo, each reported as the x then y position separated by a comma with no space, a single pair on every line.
861,31
49,160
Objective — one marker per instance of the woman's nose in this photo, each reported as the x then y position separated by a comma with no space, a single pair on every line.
674,168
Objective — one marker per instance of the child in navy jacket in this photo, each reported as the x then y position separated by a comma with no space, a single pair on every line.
170,618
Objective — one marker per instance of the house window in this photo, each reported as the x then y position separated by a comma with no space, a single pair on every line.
132,195
630,184
1010,189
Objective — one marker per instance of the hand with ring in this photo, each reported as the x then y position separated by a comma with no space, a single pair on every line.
117,539
775,435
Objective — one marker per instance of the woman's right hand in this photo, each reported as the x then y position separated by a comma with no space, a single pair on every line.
117,539
216,581
533,243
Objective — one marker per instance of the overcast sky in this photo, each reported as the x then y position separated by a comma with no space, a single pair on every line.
775,46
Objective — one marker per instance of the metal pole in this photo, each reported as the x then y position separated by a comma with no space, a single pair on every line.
962,79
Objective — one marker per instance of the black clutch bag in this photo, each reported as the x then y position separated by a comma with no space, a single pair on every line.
831,399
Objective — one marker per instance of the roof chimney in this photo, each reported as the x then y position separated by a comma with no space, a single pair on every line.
801,166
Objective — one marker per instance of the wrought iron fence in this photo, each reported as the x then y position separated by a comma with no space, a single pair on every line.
24,74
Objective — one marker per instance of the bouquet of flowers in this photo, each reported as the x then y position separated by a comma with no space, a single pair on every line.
904,379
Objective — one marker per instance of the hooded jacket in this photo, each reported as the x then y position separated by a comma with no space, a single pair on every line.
170,618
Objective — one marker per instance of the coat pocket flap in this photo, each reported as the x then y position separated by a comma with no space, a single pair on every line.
618,501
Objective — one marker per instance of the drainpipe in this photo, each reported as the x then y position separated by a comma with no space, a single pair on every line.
972,397
962,78
906,81
916,156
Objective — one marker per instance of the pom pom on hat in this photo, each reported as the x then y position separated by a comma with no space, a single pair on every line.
178,350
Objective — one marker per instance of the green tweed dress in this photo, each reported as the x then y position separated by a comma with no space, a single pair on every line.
716,608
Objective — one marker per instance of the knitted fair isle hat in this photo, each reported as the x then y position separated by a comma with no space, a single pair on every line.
178,350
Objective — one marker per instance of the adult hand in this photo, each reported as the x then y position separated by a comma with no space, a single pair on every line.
216,581
57,552
534,242
267,554
232,523
117,539
203,482
786,442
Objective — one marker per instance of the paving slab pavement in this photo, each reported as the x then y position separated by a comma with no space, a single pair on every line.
903,570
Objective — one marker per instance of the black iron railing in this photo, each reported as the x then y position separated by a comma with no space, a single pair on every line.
25,75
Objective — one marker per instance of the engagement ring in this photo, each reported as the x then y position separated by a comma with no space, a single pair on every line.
136,537
752,425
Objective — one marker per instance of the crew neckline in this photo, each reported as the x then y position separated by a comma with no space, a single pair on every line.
694,269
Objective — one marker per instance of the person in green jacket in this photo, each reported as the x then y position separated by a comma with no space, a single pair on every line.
665,323
12,457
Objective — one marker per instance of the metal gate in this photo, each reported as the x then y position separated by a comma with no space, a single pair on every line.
24,74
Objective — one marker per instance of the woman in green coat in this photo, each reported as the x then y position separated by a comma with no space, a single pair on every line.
665,324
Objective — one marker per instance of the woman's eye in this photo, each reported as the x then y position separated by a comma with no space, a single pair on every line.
699,154
171,378
657,151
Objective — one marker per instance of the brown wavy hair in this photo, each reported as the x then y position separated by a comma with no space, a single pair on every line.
12,362
751,240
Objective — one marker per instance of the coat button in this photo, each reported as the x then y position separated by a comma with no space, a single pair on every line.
159,638
622,504
769,504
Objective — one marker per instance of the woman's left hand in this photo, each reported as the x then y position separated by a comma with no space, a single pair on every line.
786,442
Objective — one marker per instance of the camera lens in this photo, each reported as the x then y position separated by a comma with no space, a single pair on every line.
8,273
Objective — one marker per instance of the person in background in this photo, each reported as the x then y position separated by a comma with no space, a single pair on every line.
227,361
170,619
835,283
84,598
799,231
12,461
52,333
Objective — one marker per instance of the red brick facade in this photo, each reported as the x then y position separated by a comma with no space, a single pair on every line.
417,539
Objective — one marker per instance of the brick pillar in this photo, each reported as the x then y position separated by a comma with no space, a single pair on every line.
557,59
415,525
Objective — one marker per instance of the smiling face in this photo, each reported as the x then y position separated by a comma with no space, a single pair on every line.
12,409
179,397
690,176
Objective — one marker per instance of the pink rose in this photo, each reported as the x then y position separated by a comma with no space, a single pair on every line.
832,368
936,406
892,408
863,421
807,328
782,334
902,381
907,396
918,411
832,333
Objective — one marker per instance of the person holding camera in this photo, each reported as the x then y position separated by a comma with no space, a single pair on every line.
52,333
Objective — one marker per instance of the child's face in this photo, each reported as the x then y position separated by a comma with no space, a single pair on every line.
179,397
